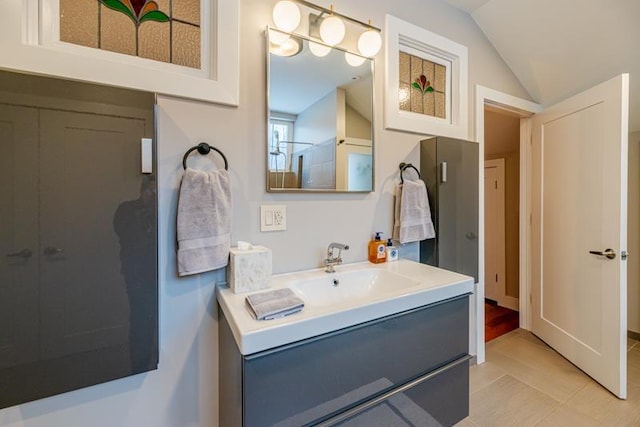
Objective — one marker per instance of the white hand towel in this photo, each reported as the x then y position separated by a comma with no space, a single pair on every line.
204,221
396,213
412,215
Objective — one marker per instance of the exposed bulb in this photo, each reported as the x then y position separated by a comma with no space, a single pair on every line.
286,15
369,43
353,60
318,49
278,38
290,47
332,30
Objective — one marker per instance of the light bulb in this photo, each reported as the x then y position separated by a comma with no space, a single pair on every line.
332,30
369,43
353,60
278,38
286,15
318,49
289,48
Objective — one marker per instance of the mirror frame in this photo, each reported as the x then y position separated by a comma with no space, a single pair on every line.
268,119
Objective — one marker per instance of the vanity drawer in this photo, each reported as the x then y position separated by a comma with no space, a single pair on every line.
318,378
435,400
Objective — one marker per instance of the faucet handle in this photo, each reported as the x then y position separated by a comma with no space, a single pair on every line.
339,246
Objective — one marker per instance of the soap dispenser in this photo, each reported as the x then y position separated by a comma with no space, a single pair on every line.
377,249
392,251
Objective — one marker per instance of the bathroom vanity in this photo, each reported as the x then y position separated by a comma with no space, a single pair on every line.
387,345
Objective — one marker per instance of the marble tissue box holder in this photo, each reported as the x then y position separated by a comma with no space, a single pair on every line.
249,268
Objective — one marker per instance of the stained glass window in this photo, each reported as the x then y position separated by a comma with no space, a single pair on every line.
422,86
162,30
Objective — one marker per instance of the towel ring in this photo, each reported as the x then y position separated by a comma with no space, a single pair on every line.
204,149
405,166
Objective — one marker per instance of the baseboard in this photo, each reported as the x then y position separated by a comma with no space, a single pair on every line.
633,335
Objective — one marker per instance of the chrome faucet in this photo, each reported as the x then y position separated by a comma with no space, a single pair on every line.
332,260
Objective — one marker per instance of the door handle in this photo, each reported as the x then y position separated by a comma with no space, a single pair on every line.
50,250
25,253
609,253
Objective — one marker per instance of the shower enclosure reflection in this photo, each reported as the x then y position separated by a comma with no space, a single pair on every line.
320,134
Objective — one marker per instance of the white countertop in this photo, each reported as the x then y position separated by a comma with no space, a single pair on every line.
430,285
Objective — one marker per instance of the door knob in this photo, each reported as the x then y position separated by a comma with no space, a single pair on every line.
25,253
609,253
50,250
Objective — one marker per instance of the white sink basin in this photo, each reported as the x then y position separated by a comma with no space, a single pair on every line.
364,292
348,287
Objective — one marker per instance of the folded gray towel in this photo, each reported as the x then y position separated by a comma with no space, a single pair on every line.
274,304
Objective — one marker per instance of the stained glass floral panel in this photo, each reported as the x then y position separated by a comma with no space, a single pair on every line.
422,86
162,30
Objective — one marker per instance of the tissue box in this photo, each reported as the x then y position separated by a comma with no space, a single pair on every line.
249,269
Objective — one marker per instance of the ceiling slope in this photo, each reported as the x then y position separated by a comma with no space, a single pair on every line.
559,48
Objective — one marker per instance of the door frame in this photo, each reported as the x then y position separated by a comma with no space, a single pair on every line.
525,109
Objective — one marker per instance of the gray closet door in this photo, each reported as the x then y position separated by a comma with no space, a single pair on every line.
19,317
89,164
449,168
458,206
78,237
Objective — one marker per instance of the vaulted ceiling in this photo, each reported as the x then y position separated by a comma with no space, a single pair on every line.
558,48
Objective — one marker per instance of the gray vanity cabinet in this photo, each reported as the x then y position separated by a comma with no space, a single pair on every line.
410,367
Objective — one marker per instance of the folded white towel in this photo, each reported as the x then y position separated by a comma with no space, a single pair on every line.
204,221
412,214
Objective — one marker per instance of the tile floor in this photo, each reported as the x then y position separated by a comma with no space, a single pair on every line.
525,383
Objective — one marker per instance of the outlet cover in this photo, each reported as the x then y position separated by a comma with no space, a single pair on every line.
273,217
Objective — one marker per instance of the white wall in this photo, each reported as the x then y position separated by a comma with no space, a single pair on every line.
633,243
317,123
183,392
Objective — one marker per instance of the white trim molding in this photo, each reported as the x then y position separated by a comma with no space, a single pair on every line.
525,109
404,36
30,43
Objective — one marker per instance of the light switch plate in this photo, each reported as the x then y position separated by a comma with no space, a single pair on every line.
273,217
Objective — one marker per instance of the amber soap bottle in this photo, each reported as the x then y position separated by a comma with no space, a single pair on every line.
377,250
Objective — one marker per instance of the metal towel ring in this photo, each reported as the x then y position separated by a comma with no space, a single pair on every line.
405,166
204,149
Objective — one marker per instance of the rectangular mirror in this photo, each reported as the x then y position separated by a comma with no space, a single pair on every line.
320,117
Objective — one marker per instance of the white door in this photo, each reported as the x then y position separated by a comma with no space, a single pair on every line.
579,207
494,230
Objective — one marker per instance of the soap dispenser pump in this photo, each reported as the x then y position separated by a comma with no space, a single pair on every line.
377,249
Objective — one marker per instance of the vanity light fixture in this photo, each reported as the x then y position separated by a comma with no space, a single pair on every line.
353,59
328,26
332,29
291,47
369,42
286,15
319,49
283,44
